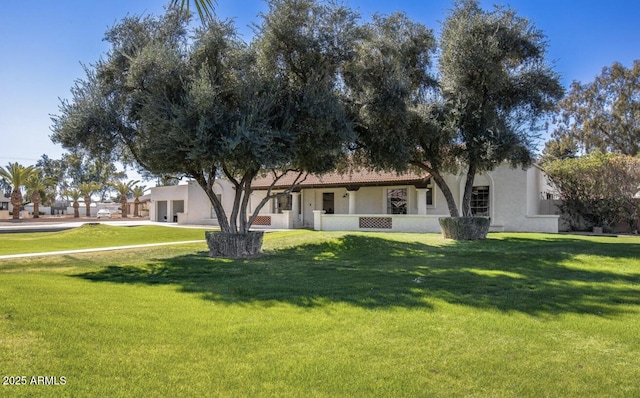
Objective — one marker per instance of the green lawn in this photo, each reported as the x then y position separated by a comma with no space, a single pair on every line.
330,314
94,236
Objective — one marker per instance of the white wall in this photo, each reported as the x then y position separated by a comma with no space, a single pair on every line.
46,210
399,223
516,201
197,208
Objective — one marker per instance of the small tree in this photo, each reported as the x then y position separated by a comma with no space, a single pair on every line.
54,170
124,189
87,189
74,194
137,191
598,187
15,175
36,185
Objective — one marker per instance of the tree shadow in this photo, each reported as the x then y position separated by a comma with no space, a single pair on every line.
531,276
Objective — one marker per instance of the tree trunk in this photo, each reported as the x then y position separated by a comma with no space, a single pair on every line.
76,212
87,204
465,228
35,198
123,205
234,245
207,185
442,184
136,203
16,201
468,190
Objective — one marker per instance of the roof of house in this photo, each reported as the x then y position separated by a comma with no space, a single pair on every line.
349,180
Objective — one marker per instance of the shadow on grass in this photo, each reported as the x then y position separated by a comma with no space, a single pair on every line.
533,276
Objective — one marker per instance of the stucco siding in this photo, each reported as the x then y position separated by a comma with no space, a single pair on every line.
439,206
369,200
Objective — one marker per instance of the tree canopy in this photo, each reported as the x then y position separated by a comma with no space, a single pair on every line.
312,84
37,185
16,176
600,188
482,108
498,84
604,114
204,104
77,167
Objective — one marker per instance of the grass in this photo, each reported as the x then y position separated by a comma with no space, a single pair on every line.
94,236
331,314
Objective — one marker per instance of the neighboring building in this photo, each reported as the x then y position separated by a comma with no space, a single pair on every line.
5,206
515,200
5,202
187,203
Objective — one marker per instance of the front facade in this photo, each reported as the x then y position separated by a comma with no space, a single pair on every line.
369,201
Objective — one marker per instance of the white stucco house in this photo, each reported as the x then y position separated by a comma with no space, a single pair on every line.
515,199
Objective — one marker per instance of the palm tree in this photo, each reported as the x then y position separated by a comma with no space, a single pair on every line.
35,184
205,7
124,189
75,194
138,191
15,175
87,189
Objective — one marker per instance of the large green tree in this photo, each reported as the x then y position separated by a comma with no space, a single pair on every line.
493,87
394,99
604,114
497,84
204,104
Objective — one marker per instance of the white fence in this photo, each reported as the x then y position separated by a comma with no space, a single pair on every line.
375,222
419,223
282,220
388,222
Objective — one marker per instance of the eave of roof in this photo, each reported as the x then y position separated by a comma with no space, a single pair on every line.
351,181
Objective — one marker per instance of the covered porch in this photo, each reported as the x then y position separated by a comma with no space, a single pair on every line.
365,200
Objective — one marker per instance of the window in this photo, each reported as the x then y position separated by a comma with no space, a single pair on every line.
282,202
397,201
430,197
328,202
480,201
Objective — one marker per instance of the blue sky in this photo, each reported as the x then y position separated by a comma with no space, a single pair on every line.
43,44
